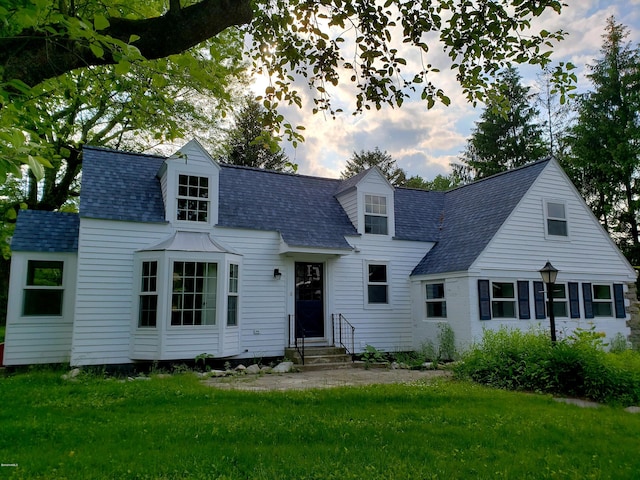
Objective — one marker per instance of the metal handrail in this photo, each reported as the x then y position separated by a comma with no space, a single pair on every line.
344,327
297,328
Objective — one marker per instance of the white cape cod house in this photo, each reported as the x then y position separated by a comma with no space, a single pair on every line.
170,258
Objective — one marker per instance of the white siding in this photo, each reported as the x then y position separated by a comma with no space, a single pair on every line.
105,293
349,202
521,248
38,339
386,327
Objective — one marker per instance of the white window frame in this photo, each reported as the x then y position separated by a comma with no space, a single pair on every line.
375,210
602,301
28,289
190,198
386,283
206,320
560,303
513,300
435,300
233,293
550,218
149,292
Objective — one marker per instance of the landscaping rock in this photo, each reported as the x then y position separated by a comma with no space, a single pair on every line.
266,369
72,374
253,369
632,409
284,367
240,368
218,373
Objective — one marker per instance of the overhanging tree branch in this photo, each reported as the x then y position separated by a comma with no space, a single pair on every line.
36,55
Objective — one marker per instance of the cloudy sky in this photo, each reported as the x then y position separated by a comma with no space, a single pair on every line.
424,142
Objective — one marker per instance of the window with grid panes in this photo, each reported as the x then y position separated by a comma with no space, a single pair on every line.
193,198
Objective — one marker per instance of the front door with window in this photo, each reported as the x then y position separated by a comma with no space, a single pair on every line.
309,299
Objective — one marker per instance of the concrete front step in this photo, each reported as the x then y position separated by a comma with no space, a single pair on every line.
313,367
327,357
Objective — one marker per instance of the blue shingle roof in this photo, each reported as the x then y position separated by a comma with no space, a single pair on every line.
418,214
472,215
303,209
40,231
121,186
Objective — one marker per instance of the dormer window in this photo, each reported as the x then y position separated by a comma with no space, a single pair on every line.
193,198
375,215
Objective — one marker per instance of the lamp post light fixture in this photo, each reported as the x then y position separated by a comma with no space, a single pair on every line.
549,274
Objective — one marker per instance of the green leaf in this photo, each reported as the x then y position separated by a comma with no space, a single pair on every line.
97,50
36,167
100,22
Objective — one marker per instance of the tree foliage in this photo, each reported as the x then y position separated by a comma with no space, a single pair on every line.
605,141
440,183
250,142
359,162
507,135
382,49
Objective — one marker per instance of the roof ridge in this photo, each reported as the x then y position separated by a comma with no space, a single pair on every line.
499,174
122,152
276,172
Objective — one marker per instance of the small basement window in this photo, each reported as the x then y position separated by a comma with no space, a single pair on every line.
43,291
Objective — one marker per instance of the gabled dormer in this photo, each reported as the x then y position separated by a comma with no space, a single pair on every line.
368,200
190,181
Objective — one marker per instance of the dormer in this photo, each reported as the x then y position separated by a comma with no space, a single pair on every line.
368,200
190,179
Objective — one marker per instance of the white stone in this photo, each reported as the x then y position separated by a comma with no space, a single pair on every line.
283,367
240,368
632,409
253,369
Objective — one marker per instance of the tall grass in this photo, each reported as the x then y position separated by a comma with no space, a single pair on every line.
576,366
170,428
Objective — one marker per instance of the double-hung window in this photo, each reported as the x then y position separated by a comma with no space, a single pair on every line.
436,303
503,302
43,292
194,293
375,215
560,300
377,284
556,216
193,198
148,311
232,297
602,301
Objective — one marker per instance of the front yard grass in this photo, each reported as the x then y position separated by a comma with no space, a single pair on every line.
176,427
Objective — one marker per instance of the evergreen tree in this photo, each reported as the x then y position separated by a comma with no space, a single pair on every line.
364,160
507,135
605,141
250,143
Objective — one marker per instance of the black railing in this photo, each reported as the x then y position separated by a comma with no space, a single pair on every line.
298,336
343,333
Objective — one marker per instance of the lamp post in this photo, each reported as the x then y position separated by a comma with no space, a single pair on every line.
549,274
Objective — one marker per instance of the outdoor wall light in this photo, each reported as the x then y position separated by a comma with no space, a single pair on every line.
549,274
277,274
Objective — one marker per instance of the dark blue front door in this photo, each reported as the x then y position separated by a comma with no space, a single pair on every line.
309,299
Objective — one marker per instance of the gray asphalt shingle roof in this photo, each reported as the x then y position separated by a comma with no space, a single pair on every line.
40,231
472,215
124,186
121,186
303,209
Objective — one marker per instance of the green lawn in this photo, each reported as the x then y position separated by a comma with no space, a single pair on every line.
178,428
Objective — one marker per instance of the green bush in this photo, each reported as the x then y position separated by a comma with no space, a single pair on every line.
576,366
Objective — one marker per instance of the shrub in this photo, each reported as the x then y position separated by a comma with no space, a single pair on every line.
575,366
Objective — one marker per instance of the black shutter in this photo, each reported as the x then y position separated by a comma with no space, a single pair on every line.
618,295
538,296
524,310
484,298
588,300
574,300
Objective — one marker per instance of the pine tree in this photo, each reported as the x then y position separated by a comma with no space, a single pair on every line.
605,141
250,143
360,162
507,135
